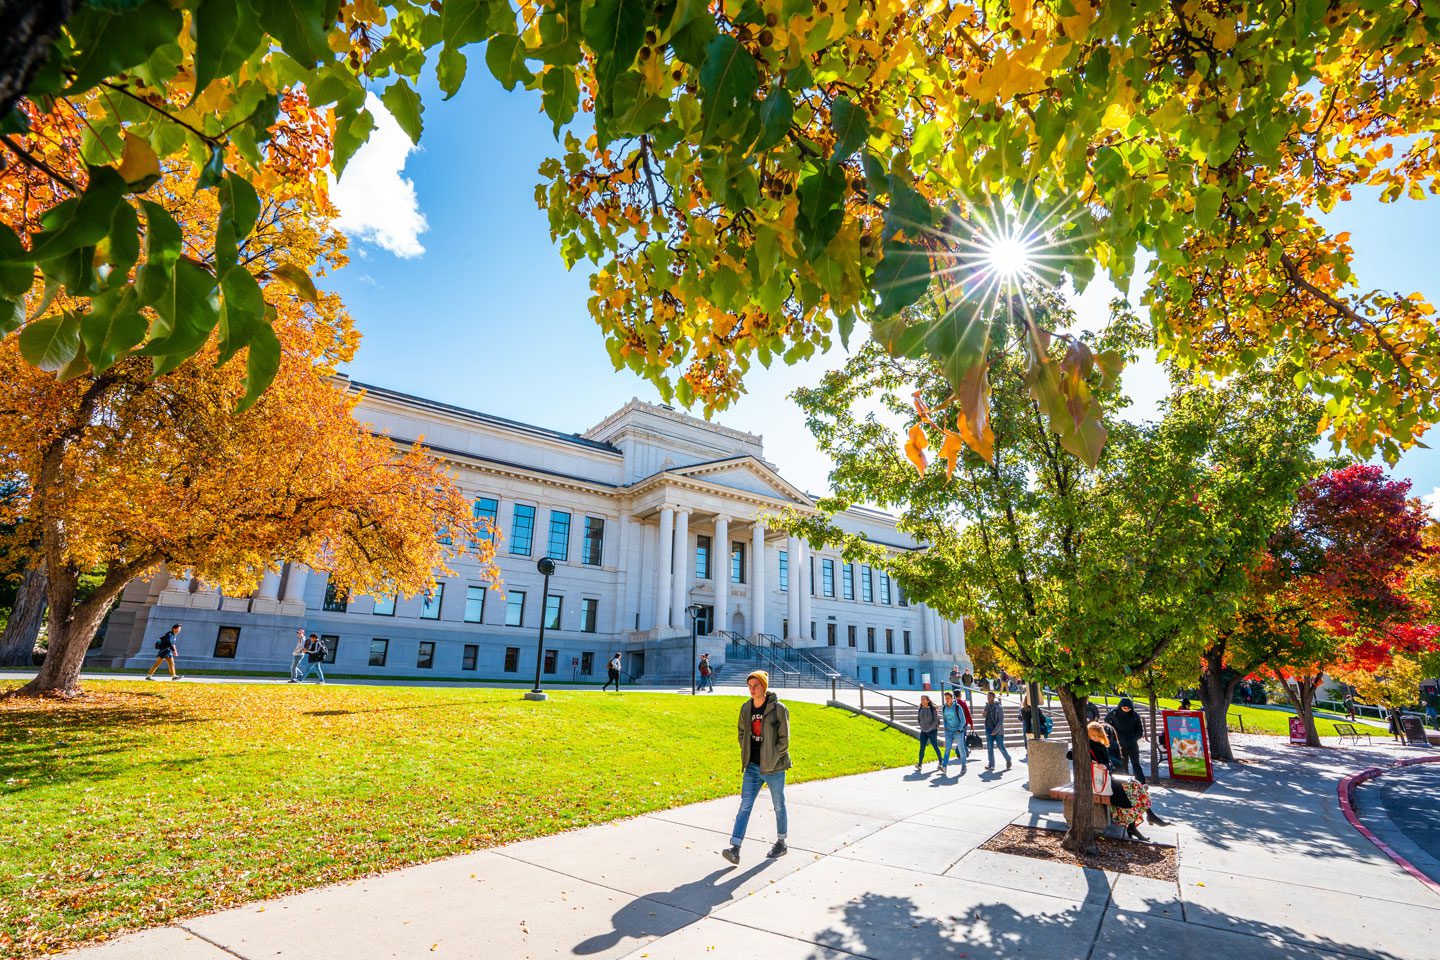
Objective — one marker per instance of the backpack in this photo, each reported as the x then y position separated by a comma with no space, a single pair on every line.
1045,724
317,655
704,668
165,642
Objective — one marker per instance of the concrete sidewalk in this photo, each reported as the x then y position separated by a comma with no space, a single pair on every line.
882,865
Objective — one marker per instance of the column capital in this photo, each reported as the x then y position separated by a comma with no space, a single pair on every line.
759,522
723,518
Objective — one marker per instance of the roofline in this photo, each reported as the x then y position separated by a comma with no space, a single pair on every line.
489,419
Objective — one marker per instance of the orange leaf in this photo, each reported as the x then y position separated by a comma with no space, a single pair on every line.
922,410
982,442
915,447
950,451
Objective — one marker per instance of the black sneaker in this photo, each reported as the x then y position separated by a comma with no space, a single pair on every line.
779,850
732,854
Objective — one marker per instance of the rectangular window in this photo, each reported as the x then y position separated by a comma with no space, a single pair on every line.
911,681
830,637
379,649
847,582
589,614
522,530
559,548
702,558
587,663
827,577
850,634
884,587
784,571
893,676
812,629
332,646
512,659
592,551
425,657
906,637
336,600
475,604
552,657
552,611
226,642
870,639
430,603
889,640
472,653
385,606
515,608
737,562
810,561
900,597
875,675
486,509
867,589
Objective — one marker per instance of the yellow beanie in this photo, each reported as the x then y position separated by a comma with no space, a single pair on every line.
760,675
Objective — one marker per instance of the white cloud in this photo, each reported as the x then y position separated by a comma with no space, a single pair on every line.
376,203
1432,503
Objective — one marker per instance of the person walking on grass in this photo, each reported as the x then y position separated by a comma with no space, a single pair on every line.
707,673
995,731
612,671
764,732
166,649
956,717
928,719
315,652
297,655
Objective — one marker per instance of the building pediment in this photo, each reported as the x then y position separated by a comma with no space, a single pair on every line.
745,473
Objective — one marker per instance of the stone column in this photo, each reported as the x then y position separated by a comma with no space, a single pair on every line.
805,580
949,639
293,600
680,580
721,572
266,596
793,591
927,633
959,651
757,578
662,568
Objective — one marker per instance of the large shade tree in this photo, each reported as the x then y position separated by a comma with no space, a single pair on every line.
1080,577
751,177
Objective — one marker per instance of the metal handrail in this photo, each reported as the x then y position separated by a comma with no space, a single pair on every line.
736,640
802,655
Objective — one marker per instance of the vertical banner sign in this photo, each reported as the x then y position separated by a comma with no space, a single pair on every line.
1189,746
1413,727
1297,731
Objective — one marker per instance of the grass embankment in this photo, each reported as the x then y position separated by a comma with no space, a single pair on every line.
150,802
1266,721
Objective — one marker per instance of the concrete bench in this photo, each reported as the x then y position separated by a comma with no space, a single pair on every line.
1349,731
1066,794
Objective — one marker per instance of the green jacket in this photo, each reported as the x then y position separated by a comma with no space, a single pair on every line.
774,734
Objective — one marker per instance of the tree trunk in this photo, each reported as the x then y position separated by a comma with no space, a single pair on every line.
72,628
1080,837
1217,688
27,31
17,645
1154,740
1302,698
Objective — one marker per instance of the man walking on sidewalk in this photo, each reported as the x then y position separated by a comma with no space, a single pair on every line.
764,732
612,671
995,731
165,649
957,726
707,673
297,655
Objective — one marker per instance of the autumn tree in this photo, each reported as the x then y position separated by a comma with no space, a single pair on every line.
763,174
1080,577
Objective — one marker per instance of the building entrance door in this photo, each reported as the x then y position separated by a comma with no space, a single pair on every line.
705,623
637,665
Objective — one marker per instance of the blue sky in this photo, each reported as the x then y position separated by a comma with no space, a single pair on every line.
487,317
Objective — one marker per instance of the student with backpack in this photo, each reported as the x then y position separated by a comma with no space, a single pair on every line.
707,673
166,648
315,652
764,733
957,725
613,672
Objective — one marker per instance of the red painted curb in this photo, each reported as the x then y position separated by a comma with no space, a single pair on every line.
1347,807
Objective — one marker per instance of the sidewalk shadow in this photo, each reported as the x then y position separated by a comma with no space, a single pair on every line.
637,919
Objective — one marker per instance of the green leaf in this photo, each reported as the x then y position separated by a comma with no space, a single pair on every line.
162,248
821,194
404,105
300,27
1111,364
299,280
505,56
1207,205
17,270
239,208
351,131
777,111
226,34
902,276
83,222
214,170
123,243
728,82
50,342
261,364
615,30
464,21
242,312
851,126
560,96
450,71
188,313
12,315
908,211
109,41
112,328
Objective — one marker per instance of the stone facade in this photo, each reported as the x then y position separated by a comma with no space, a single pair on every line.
634,511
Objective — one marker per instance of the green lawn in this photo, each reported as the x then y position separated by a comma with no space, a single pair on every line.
150,802
1273,722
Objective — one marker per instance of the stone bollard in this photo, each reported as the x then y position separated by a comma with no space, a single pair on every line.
1048,767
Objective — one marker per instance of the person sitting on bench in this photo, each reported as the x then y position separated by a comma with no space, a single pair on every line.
1130,803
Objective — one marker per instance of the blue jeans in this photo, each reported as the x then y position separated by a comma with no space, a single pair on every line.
314,668
955,743
295,666
932,738
749,790
707,680
993,740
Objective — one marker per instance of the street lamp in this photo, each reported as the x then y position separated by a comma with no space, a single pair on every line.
546,566
693,611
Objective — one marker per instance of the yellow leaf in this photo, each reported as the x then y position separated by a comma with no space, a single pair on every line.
915,447
138,161
950,451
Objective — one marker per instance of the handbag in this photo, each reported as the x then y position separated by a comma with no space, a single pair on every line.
973,741
1100,783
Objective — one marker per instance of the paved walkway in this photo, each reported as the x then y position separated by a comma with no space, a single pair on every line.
882,865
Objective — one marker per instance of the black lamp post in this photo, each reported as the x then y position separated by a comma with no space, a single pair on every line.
693,611
546,566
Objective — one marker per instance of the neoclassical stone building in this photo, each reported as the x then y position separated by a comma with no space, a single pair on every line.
645,514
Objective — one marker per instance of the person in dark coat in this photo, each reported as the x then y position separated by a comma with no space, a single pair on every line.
1129,728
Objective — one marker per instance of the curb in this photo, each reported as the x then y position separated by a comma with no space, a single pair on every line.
1347,806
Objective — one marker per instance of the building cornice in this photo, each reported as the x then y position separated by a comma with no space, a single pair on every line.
674,416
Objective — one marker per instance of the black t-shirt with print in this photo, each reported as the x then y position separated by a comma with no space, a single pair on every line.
757,732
